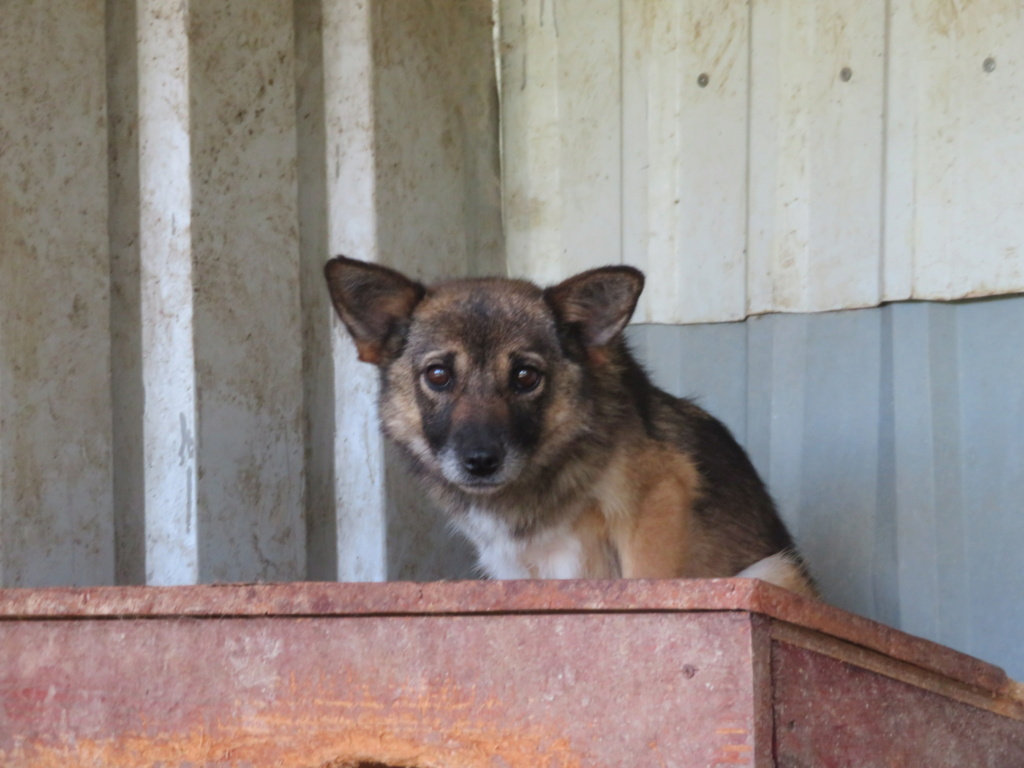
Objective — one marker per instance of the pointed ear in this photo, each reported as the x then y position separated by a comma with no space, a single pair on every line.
371,300
600,302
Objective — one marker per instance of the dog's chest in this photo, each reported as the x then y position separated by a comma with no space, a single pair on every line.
556,553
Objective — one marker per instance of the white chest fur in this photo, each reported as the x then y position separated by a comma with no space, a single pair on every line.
556,553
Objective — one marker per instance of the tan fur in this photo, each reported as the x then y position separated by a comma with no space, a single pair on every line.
646,496
599,557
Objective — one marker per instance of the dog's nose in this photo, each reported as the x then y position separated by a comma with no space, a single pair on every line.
481,462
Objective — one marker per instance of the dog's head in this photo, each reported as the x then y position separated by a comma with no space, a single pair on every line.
482,380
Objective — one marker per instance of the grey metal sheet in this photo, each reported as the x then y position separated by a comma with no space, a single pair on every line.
893,441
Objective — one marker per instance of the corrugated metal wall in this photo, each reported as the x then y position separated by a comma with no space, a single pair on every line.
893,441
783,156
176,404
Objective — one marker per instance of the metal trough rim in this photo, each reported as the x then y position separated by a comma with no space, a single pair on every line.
331,599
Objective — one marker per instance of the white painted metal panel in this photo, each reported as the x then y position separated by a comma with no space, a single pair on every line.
616,149
534,133
358,471
840,153
684,153
166,308
955,158
750,164
589,88
816,154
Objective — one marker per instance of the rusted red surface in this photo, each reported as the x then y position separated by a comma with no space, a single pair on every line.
680,673
481,597
536,690
831,714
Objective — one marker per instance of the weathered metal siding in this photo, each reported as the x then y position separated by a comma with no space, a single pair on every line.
767,156
420,193
177,403
55,350
893,441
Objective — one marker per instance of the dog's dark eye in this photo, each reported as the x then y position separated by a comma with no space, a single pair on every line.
526,379
438,377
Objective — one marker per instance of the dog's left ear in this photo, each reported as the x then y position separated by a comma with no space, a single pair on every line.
600,302
372,301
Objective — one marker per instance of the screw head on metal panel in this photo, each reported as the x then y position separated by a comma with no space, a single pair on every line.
845,74
988,64
702,79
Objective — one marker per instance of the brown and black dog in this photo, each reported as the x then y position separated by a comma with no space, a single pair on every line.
524,415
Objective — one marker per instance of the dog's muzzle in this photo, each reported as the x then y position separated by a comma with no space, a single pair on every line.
483,461
477,458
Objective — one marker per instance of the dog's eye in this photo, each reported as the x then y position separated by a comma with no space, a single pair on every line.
438,377
526,379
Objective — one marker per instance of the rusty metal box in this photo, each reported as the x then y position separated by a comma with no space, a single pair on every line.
473,674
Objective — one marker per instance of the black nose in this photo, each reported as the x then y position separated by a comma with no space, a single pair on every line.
481,462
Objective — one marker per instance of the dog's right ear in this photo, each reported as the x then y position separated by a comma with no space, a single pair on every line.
371,300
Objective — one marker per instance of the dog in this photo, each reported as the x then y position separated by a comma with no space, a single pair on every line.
524,415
